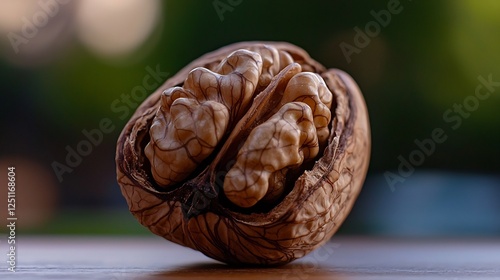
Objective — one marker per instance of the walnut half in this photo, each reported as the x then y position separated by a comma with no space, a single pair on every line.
251,154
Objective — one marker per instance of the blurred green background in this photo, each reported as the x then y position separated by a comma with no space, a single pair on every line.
67,65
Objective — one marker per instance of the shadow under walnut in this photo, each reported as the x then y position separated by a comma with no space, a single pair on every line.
293,136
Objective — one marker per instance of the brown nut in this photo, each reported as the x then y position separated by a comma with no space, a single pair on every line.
251,154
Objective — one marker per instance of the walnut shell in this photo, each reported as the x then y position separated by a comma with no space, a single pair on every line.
251,154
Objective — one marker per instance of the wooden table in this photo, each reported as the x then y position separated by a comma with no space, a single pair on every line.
343,258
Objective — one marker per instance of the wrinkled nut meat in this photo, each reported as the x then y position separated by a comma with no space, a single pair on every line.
252,154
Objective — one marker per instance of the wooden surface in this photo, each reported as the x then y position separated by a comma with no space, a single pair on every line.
343,258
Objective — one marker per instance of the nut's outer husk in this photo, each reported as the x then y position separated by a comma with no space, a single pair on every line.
304,220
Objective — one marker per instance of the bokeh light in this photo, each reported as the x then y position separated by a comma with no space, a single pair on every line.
35,33
36,194
11,12
116,28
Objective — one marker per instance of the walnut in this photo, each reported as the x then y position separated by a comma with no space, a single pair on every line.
251,154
